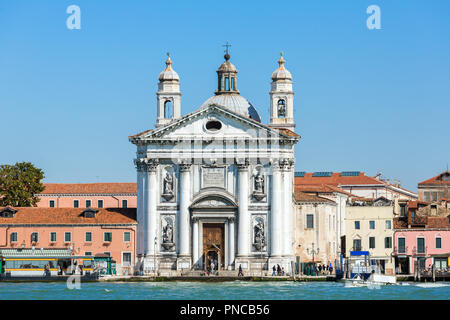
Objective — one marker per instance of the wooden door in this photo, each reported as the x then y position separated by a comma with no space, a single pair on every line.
213,242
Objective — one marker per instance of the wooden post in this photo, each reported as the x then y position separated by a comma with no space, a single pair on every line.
433,270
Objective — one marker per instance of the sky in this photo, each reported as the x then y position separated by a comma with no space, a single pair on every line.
365,100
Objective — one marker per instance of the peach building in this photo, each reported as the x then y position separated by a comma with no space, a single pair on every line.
88,232
84,195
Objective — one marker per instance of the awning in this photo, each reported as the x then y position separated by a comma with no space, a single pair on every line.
36,253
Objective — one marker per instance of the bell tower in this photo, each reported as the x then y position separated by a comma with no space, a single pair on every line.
281,98
168,95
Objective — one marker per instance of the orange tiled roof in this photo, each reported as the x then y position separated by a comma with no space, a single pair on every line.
33,215
287,132
321,188
336,179
89,188
304,197
435,180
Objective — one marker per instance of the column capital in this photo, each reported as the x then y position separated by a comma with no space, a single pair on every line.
231,219
151,165
195,219
242,164
185,166
286,164
140,164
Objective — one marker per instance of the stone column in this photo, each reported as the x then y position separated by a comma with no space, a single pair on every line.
184,217
244,217
195,238
231,241
287,212
140,168
276,212
150,202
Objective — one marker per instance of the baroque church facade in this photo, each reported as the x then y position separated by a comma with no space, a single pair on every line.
216,185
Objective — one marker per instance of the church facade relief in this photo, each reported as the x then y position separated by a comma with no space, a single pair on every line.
215,185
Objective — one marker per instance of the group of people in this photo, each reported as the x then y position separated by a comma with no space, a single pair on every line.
212,267
322,269
277,271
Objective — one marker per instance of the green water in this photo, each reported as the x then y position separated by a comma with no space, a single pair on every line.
222,290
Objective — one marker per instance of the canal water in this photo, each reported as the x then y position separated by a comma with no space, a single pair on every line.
222,290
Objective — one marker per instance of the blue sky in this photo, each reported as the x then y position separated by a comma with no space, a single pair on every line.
366,100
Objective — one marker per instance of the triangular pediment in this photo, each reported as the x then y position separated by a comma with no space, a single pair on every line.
196,125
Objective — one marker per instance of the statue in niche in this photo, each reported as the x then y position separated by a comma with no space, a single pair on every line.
168,186
258,192
167,235
259,239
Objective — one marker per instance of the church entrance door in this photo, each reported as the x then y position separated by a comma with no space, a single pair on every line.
213,245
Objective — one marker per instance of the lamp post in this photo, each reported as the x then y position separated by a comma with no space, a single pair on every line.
154,258
313,253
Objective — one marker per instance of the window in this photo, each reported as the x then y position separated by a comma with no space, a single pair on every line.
67,237
107,236
52,236
427,195
13,237
372,224
51,203
438,242
309,221
107,253
88,253
357,244
99,203
76,203
124,203
213,125
126,258
420,245
88,236
434,196
401,245
388,224
88,203
388,242
227,84
34,237
403,210
356,224
168,108
126,237
371,242
232,84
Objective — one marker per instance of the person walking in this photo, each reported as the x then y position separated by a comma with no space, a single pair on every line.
278,270
212,267
240,274
282,271
274,270
320,269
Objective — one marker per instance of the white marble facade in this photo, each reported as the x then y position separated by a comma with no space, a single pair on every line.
216,178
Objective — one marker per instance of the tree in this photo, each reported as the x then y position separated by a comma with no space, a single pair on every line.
19,184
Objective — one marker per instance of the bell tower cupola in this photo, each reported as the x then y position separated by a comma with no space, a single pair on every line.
168,95
282,98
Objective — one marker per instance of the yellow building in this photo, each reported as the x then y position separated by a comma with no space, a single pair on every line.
369,227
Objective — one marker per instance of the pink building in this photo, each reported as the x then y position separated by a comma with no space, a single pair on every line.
84,195
427,242
88,232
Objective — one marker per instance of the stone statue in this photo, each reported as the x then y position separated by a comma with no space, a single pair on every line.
259,233
168,184
168,233
259,183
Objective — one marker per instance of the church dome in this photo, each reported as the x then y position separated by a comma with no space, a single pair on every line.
168,74
281,73
235,103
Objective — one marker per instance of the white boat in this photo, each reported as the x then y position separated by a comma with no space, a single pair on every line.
374,279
